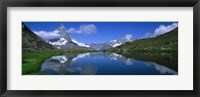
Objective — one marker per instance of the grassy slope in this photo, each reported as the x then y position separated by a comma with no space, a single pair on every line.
164,42
31,41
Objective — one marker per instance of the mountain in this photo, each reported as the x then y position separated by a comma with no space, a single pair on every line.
65,41
164,42
111,44
31,41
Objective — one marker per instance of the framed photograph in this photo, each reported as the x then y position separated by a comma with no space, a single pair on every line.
81,48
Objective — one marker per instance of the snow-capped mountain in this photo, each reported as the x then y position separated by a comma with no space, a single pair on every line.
111,44
115,43
65,41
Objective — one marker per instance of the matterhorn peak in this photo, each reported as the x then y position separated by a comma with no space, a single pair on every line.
61,28
61,25
63,33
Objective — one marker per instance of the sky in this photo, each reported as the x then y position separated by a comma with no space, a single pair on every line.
88,32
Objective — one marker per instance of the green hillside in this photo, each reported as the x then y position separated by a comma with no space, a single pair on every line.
164,42
31,41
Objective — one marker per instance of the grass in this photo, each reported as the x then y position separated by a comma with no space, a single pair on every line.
32,60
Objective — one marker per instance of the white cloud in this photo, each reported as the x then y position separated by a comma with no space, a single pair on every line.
163,29
128,36
88,29
47,35
83,29
70,30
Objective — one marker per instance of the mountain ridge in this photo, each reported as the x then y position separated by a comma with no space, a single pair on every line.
30,41
164,42
66,41
111,44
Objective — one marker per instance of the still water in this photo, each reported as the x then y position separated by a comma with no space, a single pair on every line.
103,63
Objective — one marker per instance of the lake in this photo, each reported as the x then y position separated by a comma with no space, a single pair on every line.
105,63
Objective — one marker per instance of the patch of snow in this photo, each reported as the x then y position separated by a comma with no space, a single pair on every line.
79,43
113,41
116,44
61,41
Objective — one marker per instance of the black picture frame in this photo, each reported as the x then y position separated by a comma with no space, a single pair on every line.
99,3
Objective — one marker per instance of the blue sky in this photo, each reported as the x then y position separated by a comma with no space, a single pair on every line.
88,32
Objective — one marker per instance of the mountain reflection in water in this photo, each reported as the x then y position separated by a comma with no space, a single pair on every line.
101,63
